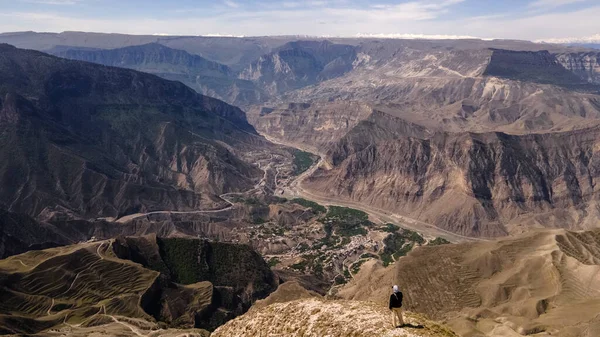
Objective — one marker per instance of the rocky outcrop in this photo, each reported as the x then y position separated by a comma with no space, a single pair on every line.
584,65
100,141
311,126
457,90
317,317
299,64
539,67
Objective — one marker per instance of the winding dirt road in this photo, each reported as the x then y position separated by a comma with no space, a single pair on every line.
130,217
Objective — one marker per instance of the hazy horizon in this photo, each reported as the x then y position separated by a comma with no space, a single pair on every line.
532,20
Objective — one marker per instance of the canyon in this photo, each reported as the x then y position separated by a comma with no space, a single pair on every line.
238,181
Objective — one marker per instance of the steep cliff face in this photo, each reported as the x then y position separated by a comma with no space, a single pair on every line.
539,67
153,56
102,141
464,90
20,233
471,184
204,76
584,65
299,64
312,126
237,276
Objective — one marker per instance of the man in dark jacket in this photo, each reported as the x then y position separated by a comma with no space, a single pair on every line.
396,307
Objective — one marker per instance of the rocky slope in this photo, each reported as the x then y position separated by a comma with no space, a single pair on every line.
317,317
299,64
140,283
464,90
471,184
584,64
396,153
309,126
540,284
99,141
205,76
20,233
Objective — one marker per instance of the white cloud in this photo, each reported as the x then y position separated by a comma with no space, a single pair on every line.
52,2
549,4
231,4
413,19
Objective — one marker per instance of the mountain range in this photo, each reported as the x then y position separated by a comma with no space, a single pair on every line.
350,164
98,141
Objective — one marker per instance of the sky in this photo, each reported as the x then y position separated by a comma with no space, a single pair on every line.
509,19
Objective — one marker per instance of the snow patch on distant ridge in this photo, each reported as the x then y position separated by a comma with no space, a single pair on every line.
588,39
420,37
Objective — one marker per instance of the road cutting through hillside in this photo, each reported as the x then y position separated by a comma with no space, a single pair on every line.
130,217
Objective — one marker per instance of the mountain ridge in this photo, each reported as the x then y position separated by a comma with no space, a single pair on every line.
86,123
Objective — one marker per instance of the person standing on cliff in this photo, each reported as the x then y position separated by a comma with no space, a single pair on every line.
396,307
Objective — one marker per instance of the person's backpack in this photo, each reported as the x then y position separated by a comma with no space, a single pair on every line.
399,297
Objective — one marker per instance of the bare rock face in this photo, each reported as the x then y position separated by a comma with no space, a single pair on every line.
471,184
205,76
464,90
538,67
299,64
309,125
585,64
102,141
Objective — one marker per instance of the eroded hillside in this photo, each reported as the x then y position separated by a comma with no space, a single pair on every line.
98,141
141,283
542,284
472,184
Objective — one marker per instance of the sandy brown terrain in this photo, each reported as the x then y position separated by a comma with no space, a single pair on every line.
542,284
317,317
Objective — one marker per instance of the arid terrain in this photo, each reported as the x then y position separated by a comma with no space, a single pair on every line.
541,284
170,186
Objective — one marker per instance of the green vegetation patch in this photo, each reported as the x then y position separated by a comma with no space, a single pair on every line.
316,208
390,228
310,263
340,280
345,221
302,247
438,242
273,262
252,201
302,161
181,257
368,256
356,266
399,244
